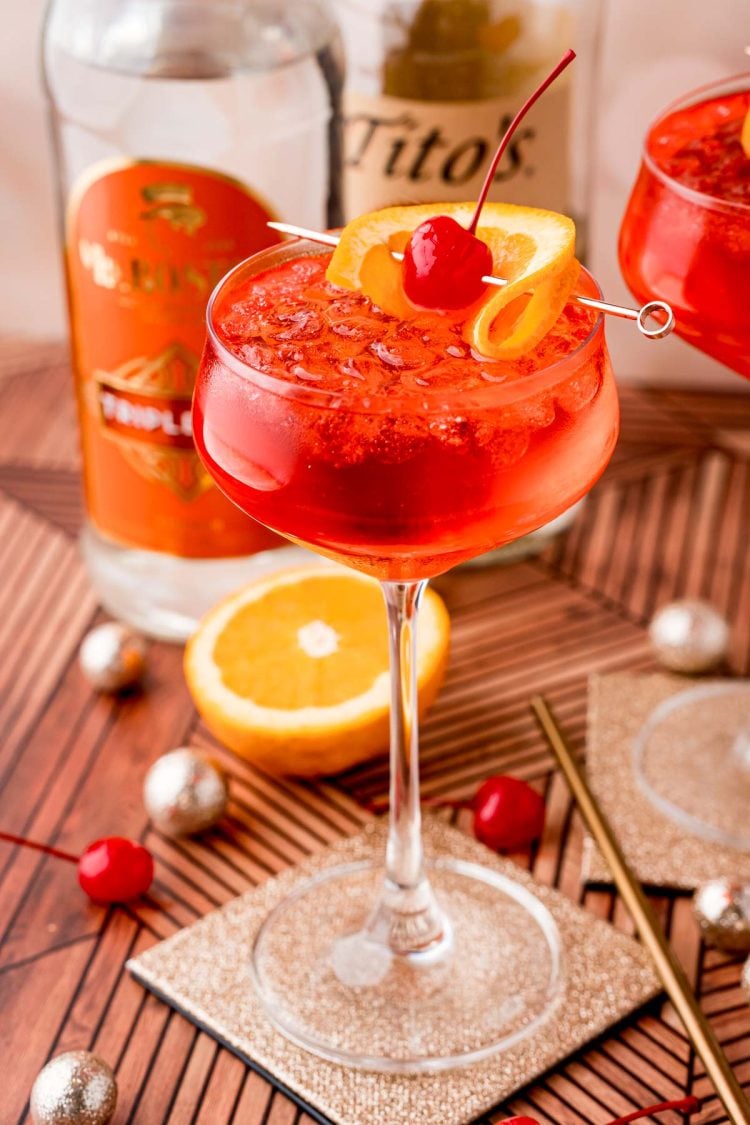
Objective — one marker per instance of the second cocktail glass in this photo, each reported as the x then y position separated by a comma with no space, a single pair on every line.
391,448
685,235
685,238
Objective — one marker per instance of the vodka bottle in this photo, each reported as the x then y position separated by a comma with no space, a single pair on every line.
180,127
433,84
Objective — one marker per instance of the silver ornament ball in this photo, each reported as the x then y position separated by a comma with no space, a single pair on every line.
745,980
722,910
185,792
76,1088
112,657
689,636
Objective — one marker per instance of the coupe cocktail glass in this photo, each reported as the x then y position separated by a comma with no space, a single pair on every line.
389,447
685,237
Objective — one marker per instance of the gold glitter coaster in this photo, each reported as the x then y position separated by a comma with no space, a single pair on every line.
661,851
203,972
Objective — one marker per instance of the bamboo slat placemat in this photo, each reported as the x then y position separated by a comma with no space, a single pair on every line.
678,499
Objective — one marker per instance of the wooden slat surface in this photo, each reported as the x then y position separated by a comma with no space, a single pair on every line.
677,502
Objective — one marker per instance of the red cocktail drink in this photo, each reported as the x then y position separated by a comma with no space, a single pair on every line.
685,237
387,444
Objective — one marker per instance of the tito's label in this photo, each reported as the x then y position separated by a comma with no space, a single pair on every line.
145,245
400,151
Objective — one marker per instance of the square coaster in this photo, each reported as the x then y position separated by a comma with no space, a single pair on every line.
660,851
203,972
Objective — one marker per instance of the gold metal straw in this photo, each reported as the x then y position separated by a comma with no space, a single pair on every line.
652,935
660,311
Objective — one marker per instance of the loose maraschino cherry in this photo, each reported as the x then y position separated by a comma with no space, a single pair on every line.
115,870
508,814
110,870
683,1105
444,263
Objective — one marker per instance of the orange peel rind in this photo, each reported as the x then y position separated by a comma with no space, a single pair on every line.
512,323
745,135
532,249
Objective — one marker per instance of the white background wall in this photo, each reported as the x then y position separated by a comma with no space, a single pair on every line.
31,300
652,53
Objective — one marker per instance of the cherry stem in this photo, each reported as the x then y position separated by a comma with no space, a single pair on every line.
564,61
10,839
440,803
684,1105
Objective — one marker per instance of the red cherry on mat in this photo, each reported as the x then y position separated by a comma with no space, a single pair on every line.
685,1105
444,264
508,814
115,870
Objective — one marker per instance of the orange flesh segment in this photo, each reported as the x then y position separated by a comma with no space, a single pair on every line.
291,671
256,648
532,249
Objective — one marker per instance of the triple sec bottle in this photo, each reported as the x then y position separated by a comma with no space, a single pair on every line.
180,127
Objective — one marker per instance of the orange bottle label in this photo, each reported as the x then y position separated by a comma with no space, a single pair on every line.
145,245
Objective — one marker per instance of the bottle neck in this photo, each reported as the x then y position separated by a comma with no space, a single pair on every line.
189,38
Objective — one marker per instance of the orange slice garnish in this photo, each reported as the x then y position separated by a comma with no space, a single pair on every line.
533,250
745,135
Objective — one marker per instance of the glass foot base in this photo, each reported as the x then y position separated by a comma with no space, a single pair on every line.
331,987
692,761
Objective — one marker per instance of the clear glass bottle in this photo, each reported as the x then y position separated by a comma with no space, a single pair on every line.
180,127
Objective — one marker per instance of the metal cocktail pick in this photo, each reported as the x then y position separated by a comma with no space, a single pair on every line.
660,311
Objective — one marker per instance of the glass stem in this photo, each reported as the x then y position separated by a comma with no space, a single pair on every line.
403,860
407,917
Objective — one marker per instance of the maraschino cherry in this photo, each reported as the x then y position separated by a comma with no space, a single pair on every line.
508,814
110,870
683,1105
444,263
115,870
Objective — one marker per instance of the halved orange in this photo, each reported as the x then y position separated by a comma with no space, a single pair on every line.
532,249
291,672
